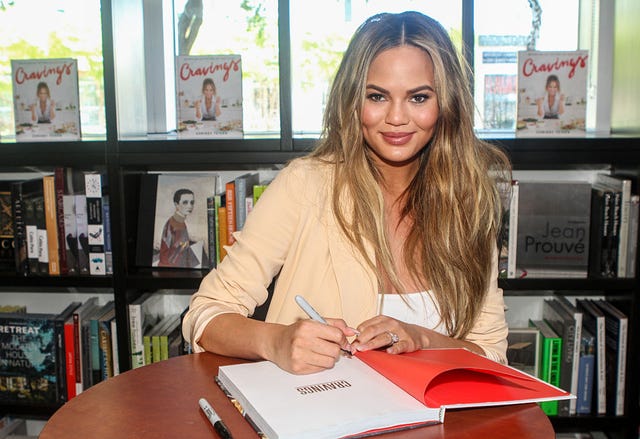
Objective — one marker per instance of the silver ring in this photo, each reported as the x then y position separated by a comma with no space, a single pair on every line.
394,337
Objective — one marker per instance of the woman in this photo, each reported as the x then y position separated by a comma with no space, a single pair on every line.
551,105
208,107
388,228
43,110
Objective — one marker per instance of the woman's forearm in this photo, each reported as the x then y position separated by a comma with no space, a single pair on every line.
234,335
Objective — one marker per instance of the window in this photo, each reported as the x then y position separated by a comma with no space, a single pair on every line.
319,33
60,29
498,38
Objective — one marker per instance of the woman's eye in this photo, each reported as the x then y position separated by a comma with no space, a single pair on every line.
375,97
419,99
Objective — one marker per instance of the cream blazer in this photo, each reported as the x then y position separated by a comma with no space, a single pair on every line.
291,232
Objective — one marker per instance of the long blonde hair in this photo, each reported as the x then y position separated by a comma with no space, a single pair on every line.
453,199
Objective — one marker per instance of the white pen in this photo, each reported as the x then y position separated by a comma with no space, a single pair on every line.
215,420
314,315
309,309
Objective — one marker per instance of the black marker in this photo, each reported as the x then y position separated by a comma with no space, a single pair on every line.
215,420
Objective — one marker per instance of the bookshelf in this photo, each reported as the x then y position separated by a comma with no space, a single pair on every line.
126,158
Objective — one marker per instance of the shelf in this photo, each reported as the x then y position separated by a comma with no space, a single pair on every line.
42,413
26,155
595,286
157,279
11,280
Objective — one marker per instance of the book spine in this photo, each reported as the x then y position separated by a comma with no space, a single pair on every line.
70,359
513,231
82,234
621,375
43,248
230,200
623,243
584,396
94,359
632,250
211,231
222,222
135,331
104,345
615,232
600,234
553,365
115,357
51,224
60,354
59,175
95,224
241,208
78,351
20,231
108,251
70,242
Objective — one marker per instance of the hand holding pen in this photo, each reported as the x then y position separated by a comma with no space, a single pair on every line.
314,315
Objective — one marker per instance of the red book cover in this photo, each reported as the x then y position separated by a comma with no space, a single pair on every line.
444,377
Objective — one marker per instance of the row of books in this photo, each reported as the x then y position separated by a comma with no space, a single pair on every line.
155,329
56,224
581,348
47,359
571,229
47,105
185,220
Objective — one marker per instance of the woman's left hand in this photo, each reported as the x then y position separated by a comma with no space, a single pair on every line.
386,332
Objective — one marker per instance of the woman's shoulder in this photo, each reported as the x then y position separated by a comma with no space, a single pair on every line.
307,168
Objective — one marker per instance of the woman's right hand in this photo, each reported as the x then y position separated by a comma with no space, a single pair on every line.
308,346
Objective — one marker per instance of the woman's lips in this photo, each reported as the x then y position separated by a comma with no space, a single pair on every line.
397,138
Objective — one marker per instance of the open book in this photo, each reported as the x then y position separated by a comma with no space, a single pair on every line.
375,392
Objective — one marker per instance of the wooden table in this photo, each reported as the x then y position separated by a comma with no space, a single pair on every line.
161,401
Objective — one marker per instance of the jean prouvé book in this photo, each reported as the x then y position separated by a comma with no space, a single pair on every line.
553,229
375,392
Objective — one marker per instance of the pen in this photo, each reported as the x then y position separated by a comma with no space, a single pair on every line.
309,310
215,420
314,315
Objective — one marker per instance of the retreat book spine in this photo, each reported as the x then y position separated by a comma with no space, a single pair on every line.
51,224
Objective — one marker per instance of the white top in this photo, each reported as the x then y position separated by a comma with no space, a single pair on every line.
416,308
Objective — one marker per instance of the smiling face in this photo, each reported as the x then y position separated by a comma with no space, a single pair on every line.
400,110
